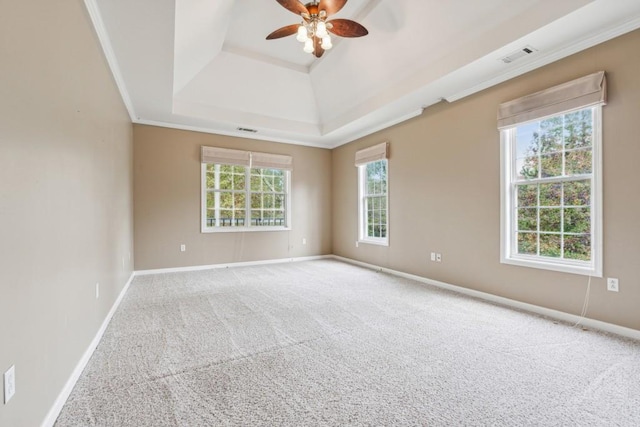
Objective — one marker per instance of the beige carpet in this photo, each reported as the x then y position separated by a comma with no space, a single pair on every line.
330,344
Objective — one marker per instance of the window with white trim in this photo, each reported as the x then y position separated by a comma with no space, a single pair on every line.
552,192
373,196
239,197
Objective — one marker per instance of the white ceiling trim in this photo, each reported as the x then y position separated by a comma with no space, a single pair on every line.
107,48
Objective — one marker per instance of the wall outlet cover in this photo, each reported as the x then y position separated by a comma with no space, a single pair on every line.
9,383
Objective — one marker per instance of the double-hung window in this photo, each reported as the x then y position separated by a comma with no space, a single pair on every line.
373,194
245,191
551,178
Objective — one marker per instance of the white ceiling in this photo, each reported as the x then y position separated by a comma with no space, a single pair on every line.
205,64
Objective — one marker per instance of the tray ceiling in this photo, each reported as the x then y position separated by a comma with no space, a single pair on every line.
205,64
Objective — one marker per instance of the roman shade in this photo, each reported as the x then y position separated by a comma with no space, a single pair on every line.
584,92
271,161
225,156
228,156
372,154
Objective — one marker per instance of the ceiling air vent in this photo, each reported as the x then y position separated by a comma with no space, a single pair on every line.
527,50
247,130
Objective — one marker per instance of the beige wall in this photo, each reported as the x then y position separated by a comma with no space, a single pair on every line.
167,203
445,193
65,198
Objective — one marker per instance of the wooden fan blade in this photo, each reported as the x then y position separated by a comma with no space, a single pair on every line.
331,6
317,48
294,6
283,32
346,28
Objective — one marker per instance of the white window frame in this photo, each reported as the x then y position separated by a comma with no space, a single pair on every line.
362,207
247,227
508,246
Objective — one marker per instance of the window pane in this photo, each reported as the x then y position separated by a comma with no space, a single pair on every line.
550,219
226,180
551,165
577,193
527,243
239,200
256,182
578,162
577,220
256,201
550,194
528,219
578,129
226,200
527,137
267,201
238,181
527,195
577,247
278,184
550,245
211,178
551,135
527,168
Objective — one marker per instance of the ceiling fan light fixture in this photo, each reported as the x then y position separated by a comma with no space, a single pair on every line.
308,46
321,29
302,34
315,30
326,43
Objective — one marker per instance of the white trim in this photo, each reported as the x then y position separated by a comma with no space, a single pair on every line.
105,42
362,211
545,59
231,264
543,311
53,413
508,244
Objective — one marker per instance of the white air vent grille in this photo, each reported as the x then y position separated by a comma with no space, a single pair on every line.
247,130
527,50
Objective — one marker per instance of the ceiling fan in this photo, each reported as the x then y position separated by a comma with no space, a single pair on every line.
314,29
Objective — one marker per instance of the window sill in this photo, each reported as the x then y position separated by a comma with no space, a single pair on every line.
381,242
584,269
243,229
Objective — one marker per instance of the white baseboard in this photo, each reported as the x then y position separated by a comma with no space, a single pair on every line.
51,417
232,264
555,314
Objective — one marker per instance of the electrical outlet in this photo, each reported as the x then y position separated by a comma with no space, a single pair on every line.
304,240
433,256
612,284
357,244
183,248
9,384
97,290
438,257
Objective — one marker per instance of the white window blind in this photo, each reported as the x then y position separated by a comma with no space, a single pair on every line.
228,156
225,156
584,92
271,161
372,154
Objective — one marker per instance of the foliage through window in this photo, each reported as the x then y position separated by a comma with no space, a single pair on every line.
240,197
551,191
373,190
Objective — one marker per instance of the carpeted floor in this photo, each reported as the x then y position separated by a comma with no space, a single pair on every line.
330,344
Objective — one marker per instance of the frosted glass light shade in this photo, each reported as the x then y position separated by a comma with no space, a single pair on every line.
302,34
321,29
308,46
326,43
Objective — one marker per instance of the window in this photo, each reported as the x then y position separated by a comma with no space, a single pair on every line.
373,195
551,201
240,197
